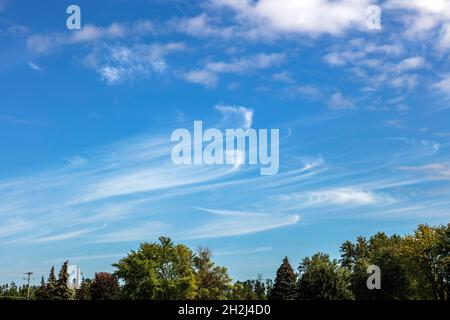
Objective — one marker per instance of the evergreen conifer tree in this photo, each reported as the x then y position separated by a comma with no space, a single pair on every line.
41,292
63,291
84,292
51,285
284,287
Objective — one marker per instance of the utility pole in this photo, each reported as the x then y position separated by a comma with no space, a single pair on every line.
29,274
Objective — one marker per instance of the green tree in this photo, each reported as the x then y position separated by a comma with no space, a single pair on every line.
242,290
62,290
260,287
12,290
213,282
269,287
41,292
384,252
158,271
284,287
426,256
50,290
256,289
323,279
105,286
443,258
84,291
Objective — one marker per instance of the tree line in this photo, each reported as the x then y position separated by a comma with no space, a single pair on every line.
414,266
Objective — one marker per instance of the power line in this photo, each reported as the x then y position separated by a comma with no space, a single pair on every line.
29,274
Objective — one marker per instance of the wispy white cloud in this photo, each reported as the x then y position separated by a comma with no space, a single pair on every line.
381,64
76,259
76,161
208,75
202,25
421,18
339,196
111,74
308,91
13,226
243,116
144,232
35,66
283,76
18,30
233,223
378,64
91,33
243,251
42,43
395,123
134,188
148,179
433,171
203,77
65,235
116,63
114,184
409,64
246,64
444,84
339,102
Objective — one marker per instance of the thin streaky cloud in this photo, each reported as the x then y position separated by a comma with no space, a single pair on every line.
244,251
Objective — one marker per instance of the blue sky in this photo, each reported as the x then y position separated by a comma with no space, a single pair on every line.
86,118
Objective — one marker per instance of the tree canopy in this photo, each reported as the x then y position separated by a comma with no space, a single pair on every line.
413,266
284,287
158,271
321,278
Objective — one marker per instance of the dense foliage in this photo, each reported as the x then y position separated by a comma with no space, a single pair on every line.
415,266
285,283
105,286
213,282
158,271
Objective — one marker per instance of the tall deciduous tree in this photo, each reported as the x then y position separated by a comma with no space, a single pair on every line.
242,290
426,256
384,252
443,264
158,271
323,279
255,289
284,287
105,286
213,282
